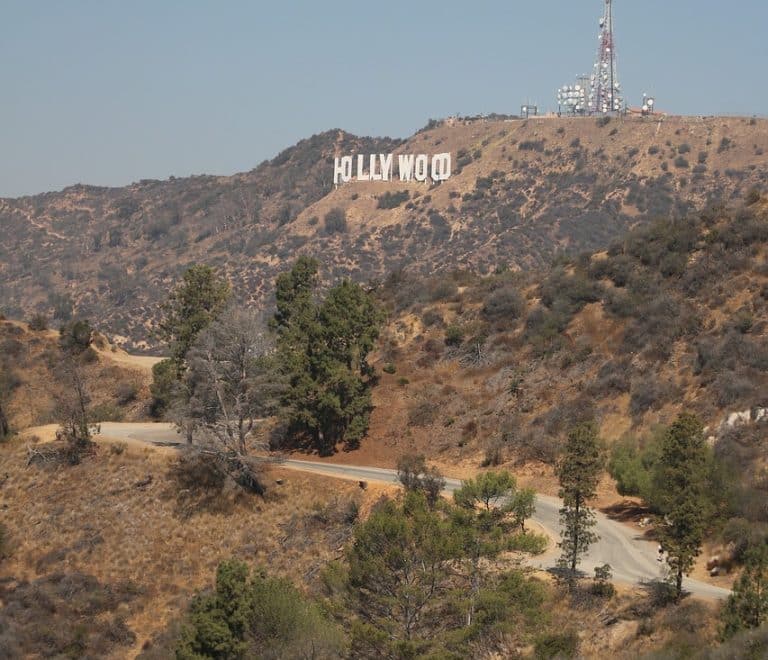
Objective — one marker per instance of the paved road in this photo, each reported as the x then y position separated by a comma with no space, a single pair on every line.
632,558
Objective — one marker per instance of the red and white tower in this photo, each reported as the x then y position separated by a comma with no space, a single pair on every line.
605,91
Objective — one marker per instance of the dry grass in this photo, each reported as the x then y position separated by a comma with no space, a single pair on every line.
34,358
97,519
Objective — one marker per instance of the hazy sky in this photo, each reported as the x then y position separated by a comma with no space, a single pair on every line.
109,92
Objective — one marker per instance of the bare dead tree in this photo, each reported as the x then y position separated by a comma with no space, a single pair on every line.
72,400
230,387
250,205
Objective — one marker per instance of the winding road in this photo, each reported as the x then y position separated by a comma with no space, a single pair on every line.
633,559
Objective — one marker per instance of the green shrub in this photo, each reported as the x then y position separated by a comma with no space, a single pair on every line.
431,317
256,616
753,196
725,144
532,145
528,542
389,368
126,393
601,585
504,304
105,412
75,336
391,200
560,644
632,463
454,335
4,542
162,387
335,221
118,448
646,394
741,535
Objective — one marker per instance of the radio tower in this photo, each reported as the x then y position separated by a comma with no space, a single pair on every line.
605,90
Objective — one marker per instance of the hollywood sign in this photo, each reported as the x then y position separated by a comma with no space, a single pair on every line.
410,167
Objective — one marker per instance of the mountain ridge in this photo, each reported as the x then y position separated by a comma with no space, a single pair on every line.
521,192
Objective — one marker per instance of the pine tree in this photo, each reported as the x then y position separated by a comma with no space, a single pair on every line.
191,307
481,531
680,481
747,606
400,578
255,617
579,472
322,350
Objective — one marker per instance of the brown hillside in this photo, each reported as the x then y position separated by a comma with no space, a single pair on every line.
108,553
673,318
118,384
521,192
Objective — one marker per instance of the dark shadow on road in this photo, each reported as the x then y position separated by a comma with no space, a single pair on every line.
561,574
626,511
660,593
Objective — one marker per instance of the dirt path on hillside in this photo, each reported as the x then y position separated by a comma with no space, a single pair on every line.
141,362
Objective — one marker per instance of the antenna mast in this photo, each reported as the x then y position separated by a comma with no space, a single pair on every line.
605,90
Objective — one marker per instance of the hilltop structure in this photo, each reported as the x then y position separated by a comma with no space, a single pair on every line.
600,92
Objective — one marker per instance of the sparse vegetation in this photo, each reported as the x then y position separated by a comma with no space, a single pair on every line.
503,369
335,221
391,200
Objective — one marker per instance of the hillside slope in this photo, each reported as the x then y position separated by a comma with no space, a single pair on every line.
496,369
117,384
521,192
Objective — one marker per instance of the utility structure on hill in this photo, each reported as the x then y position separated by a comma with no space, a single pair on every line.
605,90
599,93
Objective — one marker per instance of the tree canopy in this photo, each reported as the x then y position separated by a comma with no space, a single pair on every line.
681,484
322,351
579,471
190,308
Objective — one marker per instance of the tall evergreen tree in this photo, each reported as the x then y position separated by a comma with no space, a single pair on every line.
323,349
190,308
747,606
579,472
400,578
681,484
484,504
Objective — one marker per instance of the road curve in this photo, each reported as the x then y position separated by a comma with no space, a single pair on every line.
633,559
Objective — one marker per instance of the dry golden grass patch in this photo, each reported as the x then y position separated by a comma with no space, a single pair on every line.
121,518
34,358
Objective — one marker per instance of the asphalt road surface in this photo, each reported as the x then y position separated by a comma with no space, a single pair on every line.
633,559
